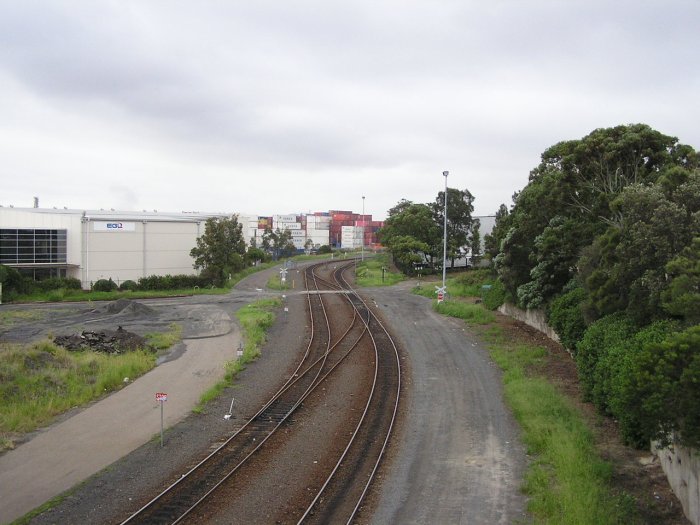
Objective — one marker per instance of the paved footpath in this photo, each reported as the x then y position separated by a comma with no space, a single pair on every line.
67,453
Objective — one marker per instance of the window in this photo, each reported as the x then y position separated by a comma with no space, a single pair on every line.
32,246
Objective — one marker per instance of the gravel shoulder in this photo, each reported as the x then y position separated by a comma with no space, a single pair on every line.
460,459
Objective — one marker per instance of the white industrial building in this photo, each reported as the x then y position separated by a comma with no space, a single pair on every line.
91,245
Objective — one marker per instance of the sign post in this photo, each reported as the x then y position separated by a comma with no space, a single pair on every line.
161,397
440,291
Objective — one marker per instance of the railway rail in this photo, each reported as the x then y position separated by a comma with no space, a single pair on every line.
340,324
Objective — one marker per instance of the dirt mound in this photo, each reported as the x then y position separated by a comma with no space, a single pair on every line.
109,342
126,307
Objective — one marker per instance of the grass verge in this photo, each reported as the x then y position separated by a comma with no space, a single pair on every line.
42,380
255,319
566,482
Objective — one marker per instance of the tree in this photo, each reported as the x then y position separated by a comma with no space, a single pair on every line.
578,180
626,267
460,206
475,242
415,221
492,241
278,243
682,297
221,250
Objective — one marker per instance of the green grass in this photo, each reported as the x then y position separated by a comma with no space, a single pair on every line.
472,313
40,381
255,319
369,272
567,482
43,380
275,283
164,340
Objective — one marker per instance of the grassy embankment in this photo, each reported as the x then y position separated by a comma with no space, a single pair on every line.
42,380
255,319
377,271
566,481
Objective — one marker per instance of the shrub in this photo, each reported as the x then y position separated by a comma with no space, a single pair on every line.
325,249
666,384
128,285
57,283
624,394
104,285
495,296
565,316
600,338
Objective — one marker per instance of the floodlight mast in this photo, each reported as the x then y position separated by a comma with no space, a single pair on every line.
444,241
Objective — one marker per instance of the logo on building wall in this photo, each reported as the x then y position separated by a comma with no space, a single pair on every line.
100,226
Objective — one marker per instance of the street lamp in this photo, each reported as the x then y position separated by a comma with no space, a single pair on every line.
362,250
444,242
442,291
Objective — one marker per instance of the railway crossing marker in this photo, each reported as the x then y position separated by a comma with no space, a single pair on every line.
440,291
161,397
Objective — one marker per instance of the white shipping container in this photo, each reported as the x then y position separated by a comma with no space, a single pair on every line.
284,218
286,225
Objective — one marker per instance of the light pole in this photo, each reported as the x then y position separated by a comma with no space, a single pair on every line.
444,241
362,250
442,291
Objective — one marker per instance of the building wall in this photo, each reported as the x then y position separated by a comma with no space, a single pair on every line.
137,249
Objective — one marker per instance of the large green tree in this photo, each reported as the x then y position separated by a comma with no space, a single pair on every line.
221,250
577,181
411,234
460,206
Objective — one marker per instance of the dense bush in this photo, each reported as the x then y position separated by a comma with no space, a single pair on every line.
565,316
608,359
325,249
128,285
56,283
104,285
495,296
666,380
602,337
13,284
172,282
622,390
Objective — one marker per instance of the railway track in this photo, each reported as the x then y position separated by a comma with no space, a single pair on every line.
340,324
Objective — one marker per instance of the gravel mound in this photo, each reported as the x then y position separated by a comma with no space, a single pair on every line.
109,342
126,307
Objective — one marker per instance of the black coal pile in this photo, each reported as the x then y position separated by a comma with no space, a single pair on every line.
108,341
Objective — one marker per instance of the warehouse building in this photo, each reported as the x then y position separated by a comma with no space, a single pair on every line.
92,245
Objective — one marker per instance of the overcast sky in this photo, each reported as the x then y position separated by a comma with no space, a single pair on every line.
293,106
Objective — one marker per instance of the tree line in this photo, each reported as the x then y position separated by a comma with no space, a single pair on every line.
605,238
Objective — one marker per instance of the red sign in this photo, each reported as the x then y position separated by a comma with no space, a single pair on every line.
441,296
161,396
